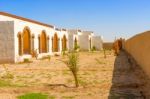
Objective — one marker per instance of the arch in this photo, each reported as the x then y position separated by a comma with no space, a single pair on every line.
19,44
55,43
26,41
43,42
64,43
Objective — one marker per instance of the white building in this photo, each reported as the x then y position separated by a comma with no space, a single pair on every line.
97,42
73,38
85,40
20,37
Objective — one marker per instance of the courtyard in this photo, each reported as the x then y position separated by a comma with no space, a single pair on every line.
52,77
99,77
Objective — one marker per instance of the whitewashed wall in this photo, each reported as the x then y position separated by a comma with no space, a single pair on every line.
84,40
67,36
35,29
72,34
97,42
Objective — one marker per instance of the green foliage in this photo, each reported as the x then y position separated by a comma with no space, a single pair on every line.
4,83
8,83
93,48
34,96
82,82
27,60
76,47
72,65
63,52
72,62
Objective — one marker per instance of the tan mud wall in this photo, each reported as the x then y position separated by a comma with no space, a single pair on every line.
108,45
139,47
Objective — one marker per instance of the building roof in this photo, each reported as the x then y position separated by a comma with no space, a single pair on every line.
25,19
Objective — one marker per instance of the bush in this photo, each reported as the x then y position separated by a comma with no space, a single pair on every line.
26,60
93,48
76,47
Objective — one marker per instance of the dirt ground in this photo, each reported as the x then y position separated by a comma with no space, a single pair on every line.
54,78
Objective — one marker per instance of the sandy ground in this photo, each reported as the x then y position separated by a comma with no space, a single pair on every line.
54,78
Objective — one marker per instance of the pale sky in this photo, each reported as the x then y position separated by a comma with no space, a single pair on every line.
107,18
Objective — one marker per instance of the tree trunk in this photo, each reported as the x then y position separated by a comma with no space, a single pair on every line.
76,79
104,53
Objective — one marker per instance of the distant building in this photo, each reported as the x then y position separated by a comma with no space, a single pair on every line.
73,40
85,40
21,37
97,42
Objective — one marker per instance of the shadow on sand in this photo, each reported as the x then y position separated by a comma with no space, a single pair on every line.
125,83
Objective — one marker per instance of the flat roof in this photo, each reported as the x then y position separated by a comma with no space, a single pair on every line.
25,19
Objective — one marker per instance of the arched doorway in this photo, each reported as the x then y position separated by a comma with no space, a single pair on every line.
19,44
26,41
64,43
43,42
55,43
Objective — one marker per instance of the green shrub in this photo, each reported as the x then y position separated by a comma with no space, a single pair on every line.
63,52
76,47
93,48
34,96
27,60
72,65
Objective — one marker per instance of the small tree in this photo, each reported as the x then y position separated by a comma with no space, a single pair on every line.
76,47
72,64
104,53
